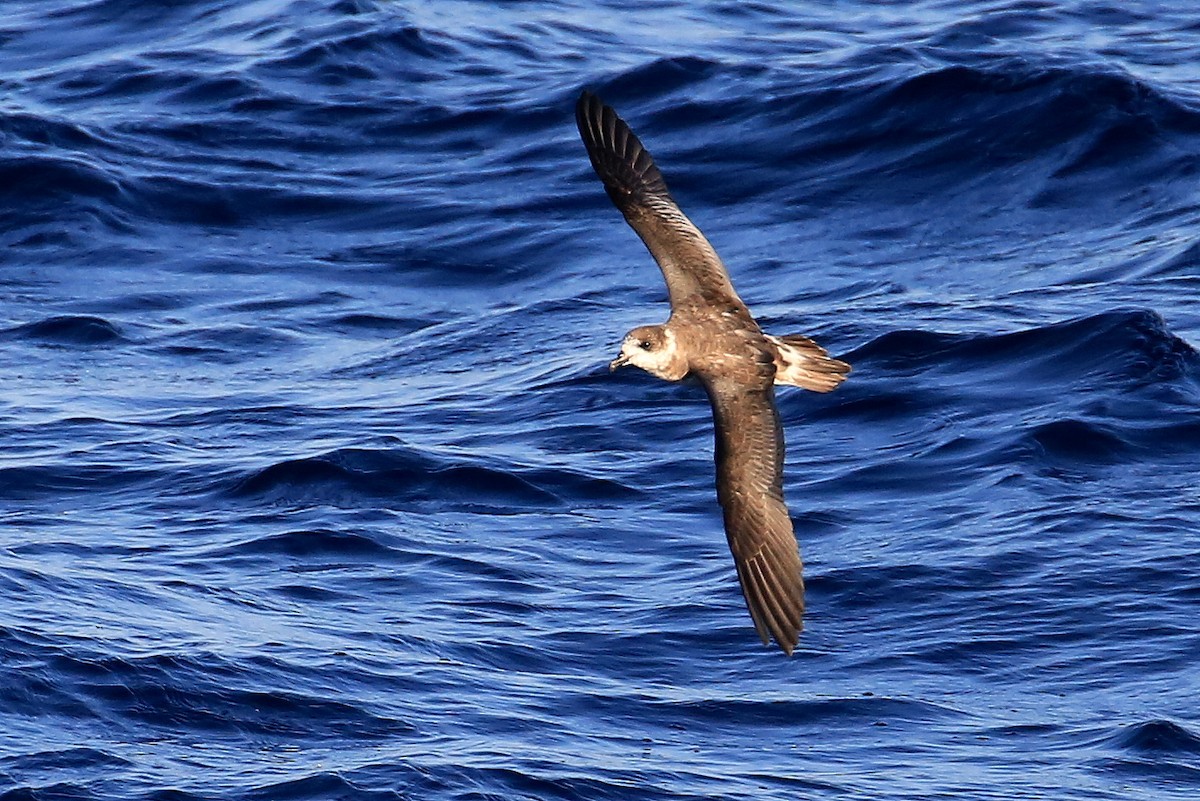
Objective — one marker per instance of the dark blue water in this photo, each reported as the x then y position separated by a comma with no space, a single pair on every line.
314,484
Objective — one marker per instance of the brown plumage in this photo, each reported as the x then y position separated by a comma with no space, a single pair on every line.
712,336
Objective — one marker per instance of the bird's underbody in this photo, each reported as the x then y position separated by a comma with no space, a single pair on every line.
712,336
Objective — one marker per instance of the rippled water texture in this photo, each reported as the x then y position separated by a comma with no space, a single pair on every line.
314,484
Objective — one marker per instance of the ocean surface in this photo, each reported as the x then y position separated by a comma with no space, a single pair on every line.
314,483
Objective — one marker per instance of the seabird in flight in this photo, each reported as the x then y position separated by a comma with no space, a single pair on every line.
710,335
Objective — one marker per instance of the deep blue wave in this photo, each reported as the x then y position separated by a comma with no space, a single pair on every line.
316,485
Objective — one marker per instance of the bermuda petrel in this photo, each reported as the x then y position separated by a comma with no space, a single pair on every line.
710,335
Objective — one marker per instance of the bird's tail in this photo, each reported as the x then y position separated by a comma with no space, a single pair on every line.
801,362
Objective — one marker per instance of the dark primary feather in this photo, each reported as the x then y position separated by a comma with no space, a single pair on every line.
749,456
629,174
688,262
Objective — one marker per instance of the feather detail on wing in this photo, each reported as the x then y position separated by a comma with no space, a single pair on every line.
749,456
688,262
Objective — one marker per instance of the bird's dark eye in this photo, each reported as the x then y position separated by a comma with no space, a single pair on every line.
644,344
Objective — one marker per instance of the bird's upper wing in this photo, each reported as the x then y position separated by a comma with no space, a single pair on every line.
749,455
688,261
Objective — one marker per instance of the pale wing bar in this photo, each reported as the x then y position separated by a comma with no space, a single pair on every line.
688,262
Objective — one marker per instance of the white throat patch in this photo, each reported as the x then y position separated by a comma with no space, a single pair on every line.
661,360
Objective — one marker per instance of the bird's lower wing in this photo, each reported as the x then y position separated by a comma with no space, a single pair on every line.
749,456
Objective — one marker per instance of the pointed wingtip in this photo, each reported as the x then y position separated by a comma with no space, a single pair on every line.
586,99
777,617
787,640
618,156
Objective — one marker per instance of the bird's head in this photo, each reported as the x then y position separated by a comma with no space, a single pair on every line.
652,348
